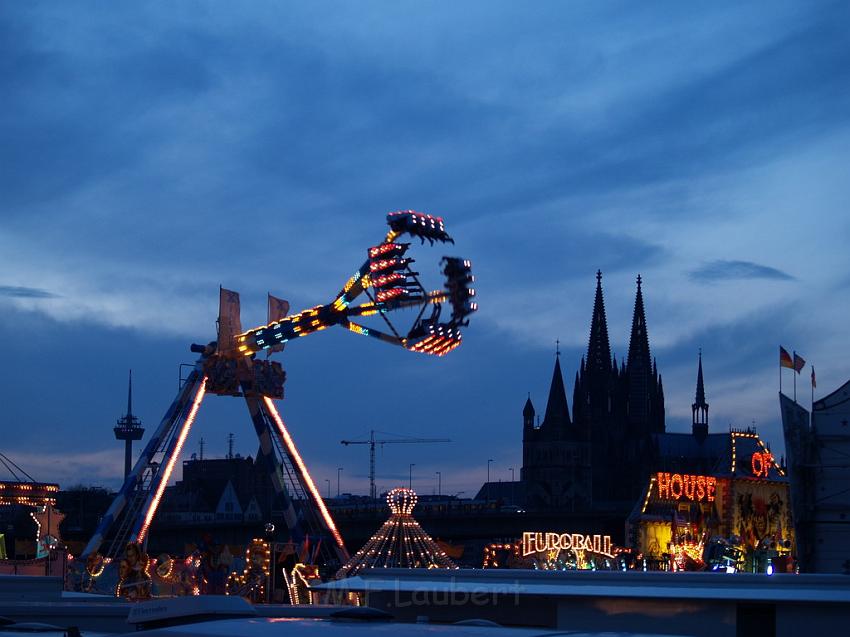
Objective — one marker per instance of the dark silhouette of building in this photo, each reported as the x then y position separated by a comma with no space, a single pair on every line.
600,457
556,455
818,447
216,491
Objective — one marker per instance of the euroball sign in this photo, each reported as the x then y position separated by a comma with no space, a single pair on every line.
537,542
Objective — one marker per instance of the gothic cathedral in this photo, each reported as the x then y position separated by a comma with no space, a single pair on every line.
599,458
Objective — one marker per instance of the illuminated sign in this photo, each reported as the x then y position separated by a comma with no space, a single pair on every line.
534,542
761,463
685,487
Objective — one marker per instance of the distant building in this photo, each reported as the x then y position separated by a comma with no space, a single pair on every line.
818,450
219,491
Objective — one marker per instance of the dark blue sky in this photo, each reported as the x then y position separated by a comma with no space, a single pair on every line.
151,153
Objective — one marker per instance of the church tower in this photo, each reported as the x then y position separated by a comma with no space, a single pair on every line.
699,408
555,457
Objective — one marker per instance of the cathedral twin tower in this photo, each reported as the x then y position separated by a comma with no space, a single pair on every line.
601,456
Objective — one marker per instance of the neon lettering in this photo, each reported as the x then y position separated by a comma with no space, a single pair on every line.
535,542
676,480
690,483
663,481
761,462
686,487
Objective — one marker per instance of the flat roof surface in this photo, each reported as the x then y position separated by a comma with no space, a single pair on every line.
629,584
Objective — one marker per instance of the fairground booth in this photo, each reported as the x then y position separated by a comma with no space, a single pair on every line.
718,502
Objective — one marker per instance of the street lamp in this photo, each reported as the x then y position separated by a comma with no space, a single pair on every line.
328,480
439,483
512,486
410,477
488,479
338,471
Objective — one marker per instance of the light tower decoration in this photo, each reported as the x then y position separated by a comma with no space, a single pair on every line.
399,543
129,428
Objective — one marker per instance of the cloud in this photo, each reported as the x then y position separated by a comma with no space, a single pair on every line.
722,270
94,467
20,292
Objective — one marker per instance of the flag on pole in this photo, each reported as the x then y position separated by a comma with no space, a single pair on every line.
799,362
229,323
814,381
278,309
785,358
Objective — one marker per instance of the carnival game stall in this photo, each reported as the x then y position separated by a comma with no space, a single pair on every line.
734,518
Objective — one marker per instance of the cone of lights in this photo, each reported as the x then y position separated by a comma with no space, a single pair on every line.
399,543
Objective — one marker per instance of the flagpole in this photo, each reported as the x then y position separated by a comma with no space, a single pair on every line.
780,373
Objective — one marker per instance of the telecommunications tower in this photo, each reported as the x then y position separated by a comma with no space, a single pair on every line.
129,428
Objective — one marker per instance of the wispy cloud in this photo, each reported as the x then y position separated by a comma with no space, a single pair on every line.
92,467
723,270
21,292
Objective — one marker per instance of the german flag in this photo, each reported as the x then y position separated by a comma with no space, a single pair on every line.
785,359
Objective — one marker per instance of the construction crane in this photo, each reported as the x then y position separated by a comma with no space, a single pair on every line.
373,441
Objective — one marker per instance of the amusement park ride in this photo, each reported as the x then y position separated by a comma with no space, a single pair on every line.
229,367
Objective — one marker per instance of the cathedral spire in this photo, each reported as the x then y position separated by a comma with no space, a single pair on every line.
639,341
699,408
557,411
598,347
639,370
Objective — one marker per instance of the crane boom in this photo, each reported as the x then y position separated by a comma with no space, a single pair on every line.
374,441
